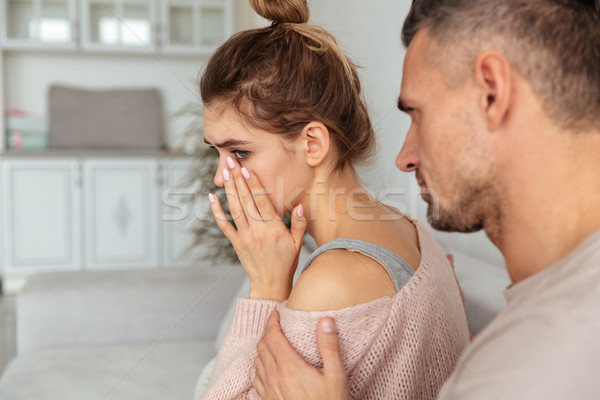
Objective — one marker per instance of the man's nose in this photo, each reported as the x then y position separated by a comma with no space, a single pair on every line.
408,158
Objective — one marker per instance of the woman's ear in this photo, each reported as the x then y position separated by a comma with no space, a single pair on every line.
316,143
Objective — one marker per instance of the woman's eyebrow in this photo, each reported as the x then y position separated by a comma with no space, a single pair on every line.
228,143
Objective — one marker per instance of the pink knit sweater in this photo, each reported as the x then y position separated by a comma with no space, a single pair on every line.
400,347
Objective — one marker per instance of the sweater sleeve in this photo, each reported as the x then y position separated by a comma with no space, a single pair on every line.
357,326
234,369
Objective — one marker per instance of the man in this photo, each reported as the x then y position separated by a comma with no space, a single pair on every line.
504,98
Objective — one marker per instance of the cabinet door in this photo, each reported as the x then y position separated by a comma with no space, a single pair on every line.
42,203
121,216
32,23
119,24
179,213
191,26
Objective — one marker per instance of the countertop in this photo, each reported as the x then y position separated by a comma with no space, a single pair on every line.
93,153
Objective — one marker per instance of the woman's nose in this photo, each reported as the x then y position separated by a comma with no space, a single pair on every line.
218,179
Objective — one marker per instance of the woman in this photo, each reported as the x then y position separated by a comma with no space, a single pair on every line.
283,107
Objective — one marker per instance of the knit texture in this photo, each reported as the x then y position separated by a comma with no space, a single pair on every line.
400,347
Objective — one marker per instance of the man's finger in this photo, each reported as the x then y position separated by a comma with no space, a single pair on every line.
260,387
274,344
329,348
267,361
450,258
273,321
261,375
259,367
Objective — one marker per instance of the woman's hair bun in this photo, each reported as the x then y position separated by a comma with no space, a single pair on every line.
281,11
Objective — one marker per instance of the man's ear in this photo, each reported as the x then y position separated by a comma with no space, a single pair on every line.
493,76
316,142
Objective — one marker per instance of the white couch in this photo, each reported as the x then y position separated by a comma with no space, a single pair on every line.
148,334
117,334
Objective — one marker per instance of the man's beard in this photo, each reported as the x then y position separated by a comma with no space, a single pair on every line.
464,212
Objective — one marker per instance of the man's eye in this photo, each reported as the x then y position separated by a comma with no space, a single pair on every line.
240,154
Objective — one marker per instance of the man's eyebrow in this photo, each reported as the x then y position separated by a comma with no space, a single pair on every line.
228,143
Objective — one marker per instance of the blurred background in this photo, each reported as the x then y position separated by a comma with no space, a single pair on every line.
102,118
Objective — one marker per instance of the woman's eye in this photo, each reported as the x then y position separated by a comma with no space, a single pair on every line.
240,154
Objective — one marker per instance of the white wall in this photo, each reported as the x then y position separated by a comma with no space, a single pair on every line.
369,32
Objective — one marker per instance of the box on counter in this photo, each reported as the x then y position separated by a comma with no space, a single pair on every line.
17,140
26,132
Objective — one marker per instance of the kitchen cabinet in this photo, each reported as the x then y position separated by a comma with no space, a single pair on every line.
91,213
119,25
194,26
179,214
181,27
121,213
42,215
31,23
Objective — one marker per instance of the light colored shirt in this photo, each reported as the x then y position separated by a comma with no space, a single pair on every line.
546,343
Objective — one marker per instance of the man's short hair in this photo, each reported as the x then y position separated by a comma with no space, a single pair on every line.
553,44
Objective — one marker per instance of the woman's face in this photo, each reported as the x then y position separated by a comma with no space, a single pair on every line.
278,163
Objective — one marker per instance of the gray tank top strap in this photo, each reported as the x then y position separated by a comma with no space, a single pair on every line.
397,267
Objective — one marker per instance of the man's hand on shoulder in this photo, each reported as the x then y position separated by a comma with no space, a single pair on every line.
282,374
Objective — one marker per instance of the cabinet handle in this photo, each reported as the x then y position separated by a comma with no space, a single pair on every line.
159,176
79,177
158,35
75,32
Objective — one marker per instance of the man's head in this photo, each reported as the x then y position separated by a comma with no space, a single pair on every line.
481,78
553,44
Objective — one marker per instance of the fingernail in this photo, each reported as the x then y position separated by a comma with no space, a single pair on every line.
230,162
300,211
328,326
226,174
246,173
211,198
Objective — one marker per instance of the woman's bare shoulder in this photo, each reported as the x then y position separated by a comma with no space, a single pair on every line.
338,279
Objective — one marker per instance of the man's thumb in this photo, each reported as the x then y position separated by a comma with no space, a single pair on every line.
298,226
329,347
